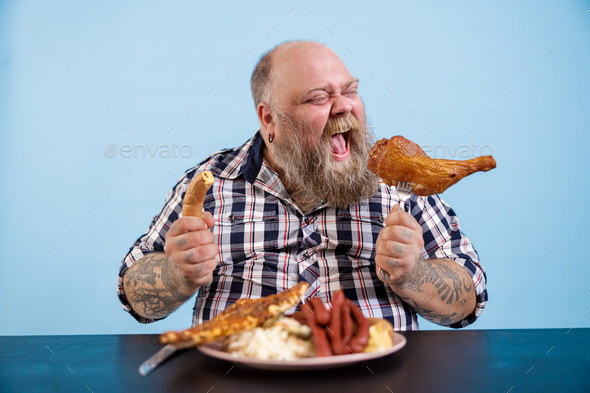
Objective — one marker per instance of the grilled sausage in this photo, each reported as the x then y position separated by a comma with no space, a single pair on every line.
322,346
335,326
346,324
322,316
360,340
192,205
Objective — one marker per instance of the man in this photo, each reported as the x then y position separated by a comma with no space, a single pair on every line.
296,202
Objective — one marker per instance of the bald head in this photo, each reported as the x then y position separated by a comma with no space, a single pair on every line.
297,48
284,61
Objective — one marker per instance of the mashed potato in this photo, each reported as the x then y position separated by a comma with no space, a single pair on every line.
286,340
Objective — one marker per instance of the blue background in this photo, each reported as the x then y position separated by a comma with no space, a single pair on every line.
76,77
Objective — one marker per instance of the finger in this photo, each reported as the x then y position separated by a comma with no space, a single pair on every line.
393,267
200,254
382,272
205,268
386,274
192,239
383,275
203,280
187,224
208,218
401,218
398,233
390,248
386,262
199,270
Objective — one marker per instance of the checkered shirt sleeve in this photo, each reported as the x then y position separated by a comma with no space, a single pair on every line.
443,239
153,239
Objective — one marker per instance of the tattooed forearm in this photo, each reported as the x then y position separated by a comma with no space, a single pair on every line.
450,285
438,289
430,315
153,288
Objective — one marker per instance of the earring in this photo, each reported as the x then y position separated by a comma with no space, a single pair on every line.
270,138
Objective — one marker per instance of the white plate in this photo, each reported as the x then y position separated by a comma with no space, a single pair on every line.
214,350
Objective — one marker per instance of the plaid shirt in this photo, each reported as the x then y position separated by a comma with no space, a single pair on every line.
266,244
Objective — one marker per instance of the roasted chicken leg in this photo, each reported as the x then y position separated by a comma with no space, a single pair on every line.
399,159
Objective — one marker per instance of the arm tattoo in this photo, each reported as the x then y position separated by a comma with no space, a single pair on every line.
450,285
153,287
429,315
453,289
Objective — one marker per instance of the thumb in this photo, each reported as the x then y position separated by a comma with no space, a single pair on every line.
208,218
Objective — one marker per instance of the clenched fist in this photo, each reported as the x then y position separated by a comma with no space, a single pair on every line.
398,246
191,248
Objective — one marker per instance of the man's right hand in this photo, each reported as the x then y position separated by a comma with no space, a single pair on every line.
191,248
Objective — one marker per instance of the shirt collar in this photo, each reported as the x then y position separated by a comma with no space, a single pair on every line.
245,160
253,159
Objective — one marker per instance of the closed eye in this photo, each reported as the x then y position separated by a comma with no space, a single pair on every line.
318,100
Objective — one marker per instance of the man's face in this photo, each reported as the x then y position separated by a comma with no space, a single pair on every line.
313,86
321,138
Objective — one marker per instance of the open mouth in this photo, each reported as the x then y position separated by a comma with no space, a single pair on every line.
341,145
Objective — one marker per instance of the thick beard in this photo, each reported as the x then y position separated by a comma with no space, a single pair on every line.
313,169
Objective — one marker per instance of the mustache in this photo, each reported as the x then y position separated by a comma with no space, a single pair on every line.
308,166
341,124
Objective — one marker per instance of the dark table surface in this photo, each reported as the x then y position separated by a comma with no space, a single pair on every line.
528,360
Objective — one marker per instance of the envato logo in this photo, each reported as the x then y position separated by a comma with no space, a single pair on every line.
163,151
465,151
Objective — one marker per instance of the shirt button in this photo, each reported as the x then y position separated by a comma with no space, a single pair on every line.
382,218
322,202
231,218
307,255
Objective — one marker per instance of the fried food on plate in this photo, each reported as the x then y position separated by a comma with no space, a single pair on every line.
399,159
346,331
258,328
243,315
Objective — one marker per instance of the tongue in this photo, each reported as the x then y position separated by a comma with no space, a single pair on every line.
338,144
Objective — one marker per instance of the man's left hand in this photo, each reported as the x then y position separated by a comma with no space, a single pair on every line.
398,246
